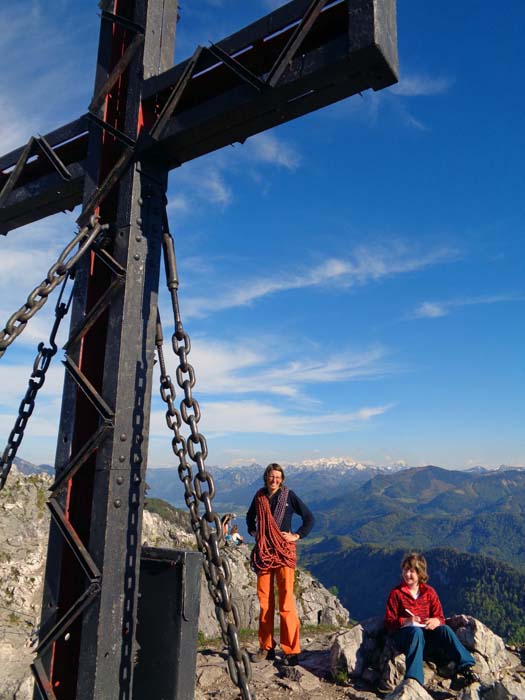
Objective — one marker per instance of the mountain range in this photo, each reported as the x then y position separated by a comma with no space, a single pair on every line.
420,508
236,485
470,525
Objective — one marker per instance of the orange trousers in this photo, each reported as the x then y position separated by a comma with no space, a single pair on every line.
289,621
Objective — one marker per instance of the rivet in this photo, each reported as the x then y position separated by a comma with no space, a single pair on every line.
120,480
123,437
117,503
122,458
138,238
136,256
139,221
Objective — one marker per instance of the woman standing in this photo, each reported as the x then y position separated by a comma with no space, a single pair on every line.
269,520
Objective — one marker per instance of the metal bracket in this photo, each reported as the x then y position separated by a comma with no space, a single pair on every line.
293,43
29,150
94,313
117,71
105,188
82,456
69,617
89,390
42,681
75,543
117,133
122,22
175,95
234,65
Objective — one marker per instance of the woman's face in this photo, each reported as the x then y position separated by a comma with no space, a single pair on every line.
273,481
410,577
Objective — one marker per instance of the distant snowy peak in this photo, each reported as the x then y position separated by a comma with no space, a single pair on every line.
341,464
338,464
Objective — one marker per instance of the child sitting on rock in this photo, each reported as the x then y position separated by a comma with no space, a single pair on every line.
415,618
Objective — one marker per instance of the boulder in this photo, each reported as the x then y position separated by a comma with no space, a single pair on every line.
409,690
366,654
24,524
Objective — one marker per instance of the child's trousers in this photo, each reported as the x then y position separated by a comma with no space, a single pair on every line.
414,641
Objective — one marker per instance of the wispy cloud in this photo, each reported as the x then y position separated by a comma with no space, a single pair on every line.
268,148
27,254
420,86
224,418
211,180
364,266
35,101
372,105
241,367
438,309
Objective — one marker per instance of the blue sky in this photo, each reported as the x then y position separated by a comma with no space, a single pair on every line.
353,280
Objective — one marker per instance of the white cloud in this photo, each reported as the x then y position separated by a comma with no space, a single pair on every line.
224,417
207,180
268,148
14,381
437,309
419,86
429,309
27,254
178,204
364,266
243,367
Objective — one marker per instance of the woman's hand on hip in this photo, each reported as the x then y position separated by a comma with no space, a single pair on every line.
290,536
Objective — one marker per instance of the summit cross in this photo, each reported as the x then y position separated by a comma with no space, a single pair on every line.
147,117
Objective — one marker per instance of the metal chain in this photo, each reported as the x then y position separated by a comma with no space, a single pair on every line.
36,381
199,488
38,297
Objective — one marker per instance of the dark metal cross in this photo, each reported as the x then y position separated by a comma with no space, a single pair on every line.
145,119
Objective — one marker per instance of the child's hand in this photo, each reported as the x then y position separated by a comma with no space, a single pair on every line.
410,620
431,623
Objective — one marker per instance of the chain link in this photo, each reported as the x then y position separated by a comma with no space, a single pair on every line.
199,488
56,274
36,381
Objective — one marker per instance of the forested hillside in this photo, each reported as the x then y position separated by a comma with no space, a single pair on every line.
492,591
481,513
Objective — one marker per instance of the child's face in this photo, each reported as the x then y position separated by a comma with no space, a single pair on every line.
410,576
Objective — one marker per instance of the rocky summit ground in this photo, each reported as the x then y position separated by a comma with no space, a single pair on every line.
310,680
337,661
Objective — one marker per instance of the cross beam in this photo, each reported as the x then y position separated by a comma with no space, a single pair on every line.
243,85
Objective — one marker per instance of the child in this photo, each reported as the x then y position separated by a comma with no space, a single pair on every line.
415,618
236,535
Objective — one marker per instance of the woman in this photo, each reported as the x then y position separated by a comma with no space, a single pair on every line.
269,520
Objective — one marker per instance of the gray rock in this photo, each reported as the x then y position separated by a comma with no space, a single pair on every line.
365,653
510,688
24,525
409,690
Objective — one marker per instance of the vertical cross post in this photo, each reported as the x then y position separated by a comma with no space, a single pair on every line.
87,644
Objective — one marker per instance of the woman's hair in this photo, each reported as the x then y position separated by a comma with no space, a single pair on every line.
273,467
416,561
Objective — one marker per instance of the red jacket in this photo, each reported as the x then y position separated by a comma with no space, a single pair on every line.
400,599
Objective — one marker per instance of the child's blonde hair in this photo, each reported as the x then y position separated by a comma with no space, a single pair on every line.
416,561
